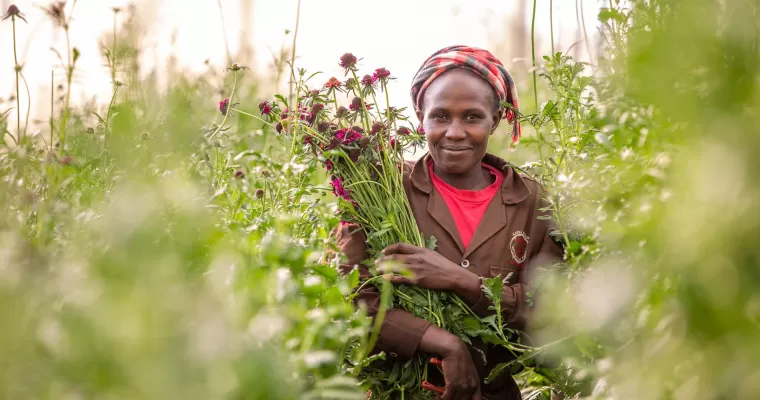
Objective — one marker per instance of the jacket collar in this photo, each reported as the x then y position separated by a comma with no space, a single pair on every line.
513,191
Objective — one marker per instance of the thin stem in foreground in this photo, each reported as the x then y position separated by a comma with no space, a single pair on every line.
18,92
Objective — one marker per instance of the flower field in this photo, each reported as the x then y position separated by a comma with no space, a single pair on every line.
175,242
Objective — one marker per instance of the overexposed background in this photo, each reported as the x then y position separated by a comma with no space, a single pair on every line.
395,34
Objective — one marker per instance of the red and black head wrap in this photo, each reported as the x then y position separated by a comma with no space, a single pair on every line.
480,61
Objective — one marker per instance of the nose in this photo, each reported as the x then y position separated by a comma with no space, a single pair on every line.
456,130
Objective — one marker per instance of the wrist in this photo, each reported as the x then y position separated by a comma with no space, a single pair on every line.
440,342
467,285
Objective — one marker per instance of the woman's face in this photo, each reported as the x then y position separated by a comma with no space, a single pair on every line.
459,113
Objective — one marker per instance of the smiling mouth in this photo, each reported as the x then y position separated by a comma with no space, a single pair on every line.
456,148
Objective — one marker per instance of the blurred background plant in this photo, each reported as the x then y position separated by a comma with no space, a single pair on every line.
149,250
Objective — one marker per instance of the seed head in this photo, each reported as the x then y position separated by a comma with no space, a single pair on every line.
13,12
403,131
278,127
364,141
358,128
265,173
259,193
323,126
348,61
377,127
342,112
317,107
236,67
145,136
239,174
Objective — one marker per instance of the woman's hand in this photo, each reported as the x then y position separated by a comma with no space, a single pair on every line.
430,269
459,373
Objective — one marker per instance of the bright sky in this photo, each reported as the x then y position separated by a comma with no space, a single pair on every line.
396,34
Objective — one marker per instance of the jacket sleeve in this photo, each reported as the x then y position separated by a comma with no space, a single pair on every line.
516,306
401,332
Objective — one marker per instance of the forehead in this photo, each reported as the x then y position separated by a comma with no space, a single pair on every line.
458,86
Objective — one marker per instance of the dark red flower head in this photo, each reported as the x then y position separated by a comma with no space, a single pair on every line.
382,73
356,103
377,127
403,131
333,83
317,107
239,174
368,81
265,108
323,126
224,106
278,127
348,61
342,112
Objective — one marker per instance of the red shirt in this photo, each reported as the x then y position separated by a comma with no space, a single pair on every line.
467,206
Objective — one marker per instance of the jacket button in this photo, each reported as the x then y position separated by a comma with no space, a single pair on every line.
465,263
394,355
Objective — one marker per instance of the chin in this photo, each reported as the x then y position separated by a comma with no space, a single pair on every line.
454,167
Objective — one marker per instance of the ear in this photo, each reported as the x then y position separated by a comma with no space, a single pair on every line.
497,116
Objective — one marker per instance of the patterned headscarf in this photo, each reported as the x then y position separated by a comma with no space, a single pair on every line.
480,61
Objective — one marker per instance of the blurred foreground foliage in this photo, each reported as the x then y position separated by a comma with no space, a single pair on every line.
155,255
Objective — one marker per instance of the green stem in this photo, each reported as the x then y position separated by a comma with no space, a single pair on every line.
232,95
18,92
539,137
52,106
551,23
293,50
108,116
28,102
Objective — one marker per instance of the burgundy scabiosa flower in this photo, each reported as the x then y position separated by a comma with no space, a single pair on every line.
403,131
368,81
317,107
333,83
347,136
239,174
224,105
356,103
265,108
278,127
381,73
328,165
377,127
342,112
13,12
339,190
348,61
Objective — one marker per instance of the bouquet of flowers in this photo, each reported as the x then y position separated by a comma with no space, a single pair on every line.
363,148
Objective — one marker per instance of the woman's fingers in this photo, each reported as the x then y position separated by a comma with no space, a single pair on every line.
401,248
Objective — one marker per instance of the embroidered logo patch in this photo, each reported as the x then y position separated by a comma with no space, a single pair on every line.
519,247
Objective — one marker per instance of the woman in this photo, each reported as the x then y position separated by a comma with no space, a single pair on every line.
482,212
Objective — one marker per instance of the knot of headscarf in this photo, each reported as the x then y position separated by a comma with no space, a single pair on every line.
480,61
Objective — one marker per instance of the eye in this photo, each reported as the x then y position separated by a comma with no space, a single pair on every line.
472,117
439,117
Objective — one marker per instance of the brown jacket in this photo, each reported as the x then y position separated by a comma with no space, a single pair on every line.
509,240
